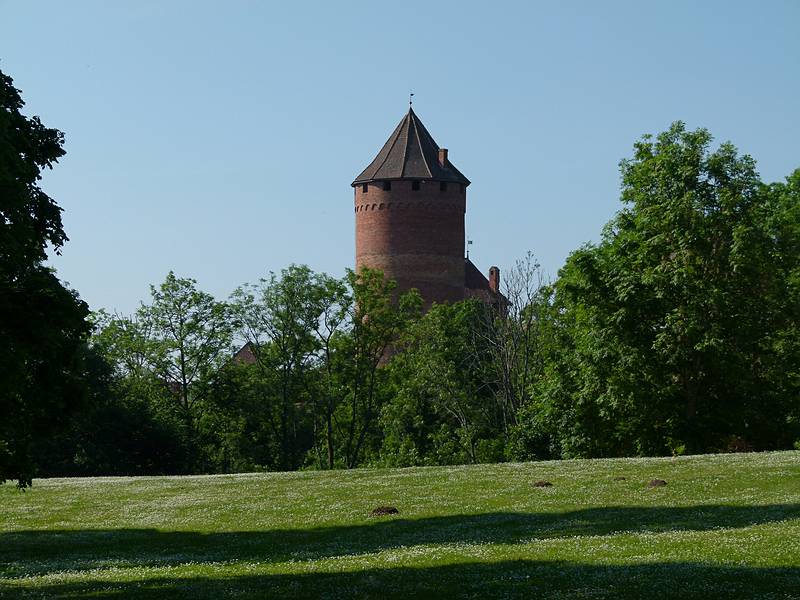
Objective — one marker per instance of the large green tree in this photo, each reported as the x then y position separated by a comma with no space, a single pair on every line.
279,317
187,336
442,409
378,317
43,325
137,427
668,327
784,228
164,360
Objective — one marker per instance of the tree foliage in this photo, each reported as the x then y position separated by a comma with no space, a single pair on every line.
377,320
442,408
677,332
43,324
280,318
187,337
668,330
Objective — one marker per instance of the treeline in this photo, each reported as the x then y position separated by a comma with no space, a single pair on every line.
323,380
677,333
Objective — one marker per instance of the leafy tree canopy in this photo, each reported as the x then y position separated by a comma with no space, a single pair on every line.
43,325
668,326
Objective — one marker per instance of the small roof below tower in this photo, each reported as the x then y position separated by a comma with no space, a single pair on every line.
411,153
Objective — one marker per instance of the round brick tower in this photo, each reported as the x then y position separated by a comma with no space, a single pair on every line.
409,205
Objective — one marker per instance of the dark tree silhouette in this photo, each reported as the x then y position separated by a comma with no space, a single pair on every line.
43,325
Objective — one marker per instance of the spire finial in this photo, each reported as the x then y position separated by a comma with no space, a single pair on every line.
410,99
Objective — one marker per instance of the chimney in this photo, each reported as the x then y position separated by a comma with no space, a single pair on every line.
443,157
494,280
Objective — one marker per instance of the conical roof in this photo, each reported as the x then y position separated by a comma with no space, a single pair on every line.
410,153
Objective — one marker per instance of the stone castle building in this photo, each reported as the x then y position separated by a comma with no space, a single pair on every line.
410,204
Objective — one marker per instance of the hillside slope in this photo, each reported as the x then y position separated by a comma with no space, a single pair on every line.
726,525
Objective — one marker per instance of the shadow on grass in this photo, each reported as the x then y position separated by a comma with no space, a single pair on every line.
40,552
507,579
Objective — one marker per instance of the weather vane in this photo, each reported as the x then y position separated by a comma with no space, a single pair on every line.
410,98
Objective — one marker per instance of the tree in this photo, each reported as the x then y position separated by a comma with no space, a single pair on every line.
511,335
441,409
187,338
667,327
279,318
784,228
335,305
43,325
137,426
377,319
164,360
121,429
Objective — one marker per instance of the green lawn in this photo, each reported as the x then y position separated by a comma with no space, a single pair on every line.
723,526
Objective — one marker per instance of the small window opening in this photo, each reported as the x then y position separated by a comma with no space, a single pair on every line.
387,186
365,187
442,186
415,186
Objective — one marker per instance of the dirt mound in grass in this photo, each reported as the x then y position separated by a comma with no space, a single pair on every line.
656,483
382,511
542,484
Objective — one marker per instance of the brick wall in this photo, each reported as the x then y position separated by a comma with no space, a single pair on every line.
414,236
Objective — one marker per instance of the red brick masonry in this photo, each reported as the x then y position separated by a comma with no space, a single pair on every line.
415,237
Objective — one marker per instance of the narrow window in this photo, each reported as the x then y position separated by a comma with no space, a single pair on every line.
415,186
442,186
387,186
365,187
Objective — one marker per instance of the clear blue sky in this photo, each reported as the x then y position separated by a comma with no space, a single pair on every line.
219,139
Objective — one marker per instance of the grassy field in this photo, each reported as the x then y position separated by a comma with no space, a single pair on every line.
723,526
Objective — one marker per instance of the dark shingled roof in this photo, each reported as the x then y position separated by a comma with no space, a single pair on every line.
477,286
410,153
473,278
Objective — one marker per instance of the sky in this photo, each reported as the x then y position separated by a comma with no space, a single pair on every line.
219,139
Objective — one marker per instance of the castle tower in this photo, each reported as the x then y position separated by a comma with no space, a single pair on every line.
409,205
